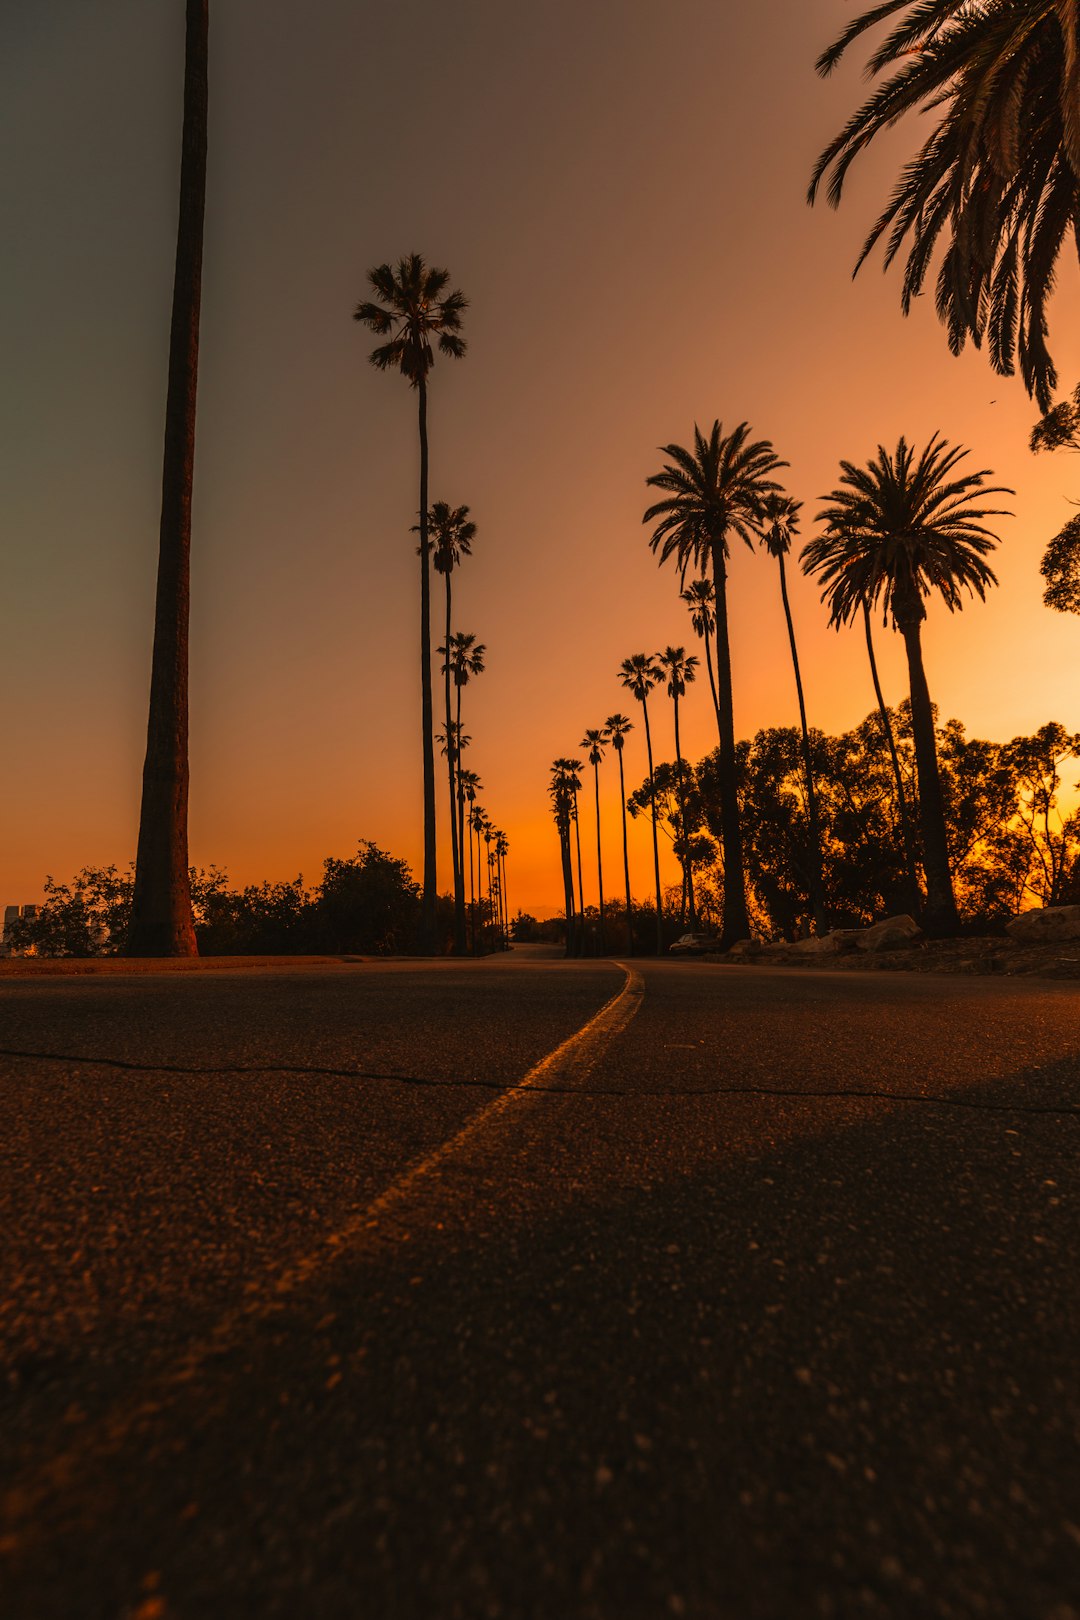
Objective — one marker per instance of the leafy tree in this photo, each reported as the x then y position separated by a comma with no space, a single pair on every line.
896,530
161,920
1060,567
1051,839
997,179
369,904
415,315
711,493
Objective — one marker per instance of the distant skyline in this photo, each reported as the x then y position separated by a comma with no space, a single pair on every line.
619,190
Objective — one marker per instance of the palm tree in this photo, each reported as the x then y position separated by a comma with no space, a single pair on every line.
463,657
561,807
161,922
780,524
593,742
700,598
416,312
468,785
452,533
617,726
712,493
477,819
639,675
896,530
679,671
502,849
997,177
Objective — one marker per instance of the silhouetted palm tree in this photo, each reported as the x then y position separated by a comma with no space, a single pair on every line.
593,742
700,598
617,726
452,533
998,175
161,922
502,849
898,529
414,314
711,493
468,785
464,660
679,670
780,524
639,675
562,806
906,833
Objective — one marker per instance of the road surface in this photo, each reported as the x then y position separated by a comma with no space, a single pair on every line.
521,1289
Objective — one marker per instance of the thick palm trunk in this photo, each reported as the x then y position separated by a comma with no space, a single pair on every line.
940,916
914,899
626,859
736,921
817,887
430,888
687,864
452,762
655,840
161,922
599,862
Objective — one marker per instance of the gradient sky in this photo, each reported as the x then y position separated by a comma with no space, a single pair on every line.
618,186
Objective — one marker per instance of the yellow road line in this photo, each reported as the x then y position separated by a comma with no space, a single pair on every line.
365,1231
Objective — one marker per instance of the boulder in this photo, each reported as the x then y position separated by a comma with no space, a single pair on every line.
841,939
890,934
1045,925
743,950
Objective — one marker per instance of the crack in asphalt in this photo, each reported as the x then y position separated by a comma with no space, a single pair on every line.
934,1099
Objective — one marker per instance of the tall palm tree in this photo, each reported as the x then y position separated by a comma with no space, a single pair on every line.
998,175
896,530
700,598
452,533
416,314
463,657
468,785
679,670
779,526
477,819
568,783
639,675
710,494
617,726
593,742
161,922
561,807
502,849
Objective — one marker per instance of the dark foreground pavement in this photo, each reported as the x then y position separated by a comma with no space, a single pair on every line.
761,1305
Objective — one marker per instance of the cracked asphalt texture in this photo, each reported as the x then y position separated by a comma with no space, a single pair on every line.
707,1331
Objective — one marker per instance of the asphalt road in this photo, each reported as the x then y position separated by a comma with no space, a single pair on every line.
757,1300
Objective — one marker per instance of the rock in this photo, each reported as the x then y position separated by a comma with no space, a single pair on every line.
1045,924
890,934
743,949
841,939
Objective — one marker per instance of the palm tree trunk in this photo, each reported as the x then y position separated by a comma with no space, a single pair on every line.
712,677
427,925
568,889
940,917
161,921
506,905
898,775
626,859
599,861
472,894
580,883
687,865
452,762
655,841
736,922
817,887
460,911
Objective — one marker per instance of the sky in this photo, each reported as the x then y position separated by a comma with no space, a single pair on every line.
618,186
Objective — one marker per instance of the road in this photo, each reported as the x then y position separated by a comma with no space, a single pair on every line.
524,1289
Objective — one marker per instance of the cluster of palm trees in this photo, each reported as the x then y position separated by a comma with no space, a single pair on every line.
991,198
893,532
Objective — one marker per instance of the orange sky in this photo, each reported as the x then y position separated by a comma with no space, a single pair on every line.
619,190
